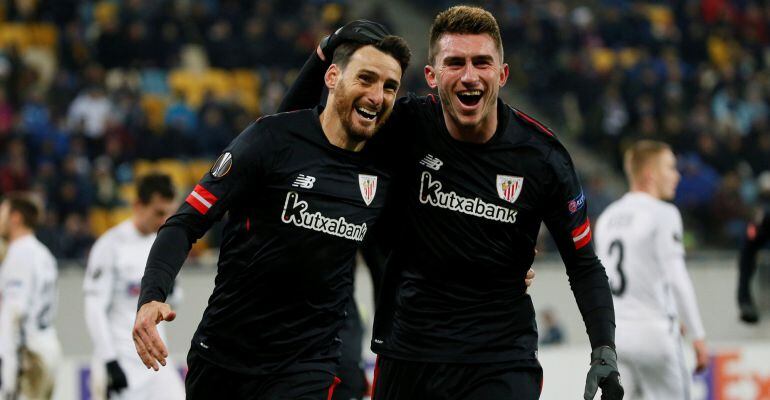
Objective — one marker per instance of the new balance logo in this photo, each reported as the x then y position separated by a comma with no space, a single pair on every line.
304,181
431,162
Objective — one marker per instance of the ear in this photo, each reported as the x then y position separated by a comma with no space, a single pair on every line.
504,74
332,76
648,174
135,205
430,76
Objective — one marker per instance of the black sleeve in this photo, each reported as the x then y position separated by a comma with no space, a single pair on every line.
244,160
307,88
567,220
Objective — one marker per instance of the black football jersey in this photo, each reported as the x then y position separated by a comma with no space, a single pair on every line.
299,208
465,219
462,223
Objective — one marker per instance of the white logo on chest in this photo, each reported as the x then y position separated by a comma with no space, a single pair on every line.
295,211
431,162
304,181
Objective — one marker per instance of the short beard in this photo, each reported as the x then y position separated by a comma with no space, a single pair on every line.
341,102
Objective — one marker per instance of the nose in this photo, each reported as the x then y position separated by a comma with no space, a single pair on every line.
470,75
375,95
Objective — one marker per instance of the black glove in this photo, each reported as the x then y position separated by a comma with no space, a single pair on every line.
116,379
359,31
604,373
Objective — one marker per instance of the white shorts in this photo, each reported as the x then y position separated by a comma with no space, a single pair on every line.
143,383
651,360
39,360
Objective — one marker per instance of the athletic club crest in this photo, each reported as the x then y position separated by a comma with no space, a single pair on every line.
509,187
368,186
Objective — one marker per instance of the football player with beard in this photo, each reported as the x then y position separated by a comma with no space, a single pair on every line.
302,190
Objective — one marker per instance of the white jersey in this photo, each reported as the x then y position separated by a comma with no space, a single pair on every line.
639,241
112,284
27,306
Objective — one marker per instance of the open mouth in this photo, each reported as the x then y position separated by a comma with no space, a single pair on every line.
366,113
470,97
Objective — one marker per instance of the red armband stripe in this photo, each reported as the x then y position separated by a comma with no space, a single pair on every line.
201,199
582,234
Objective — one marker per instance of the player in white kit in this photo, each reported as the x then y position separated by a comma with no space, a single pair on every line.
112,283
29,348
639,241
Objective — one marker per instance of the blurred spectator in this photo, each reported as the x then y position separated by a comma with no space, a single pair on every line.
182,123
75,239
6,116
552,331
214,134
106,193
88,115
73,192
14,171
223,50
729,211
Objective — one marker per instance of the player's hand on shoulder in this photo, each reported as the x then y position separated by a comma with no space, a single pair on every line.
701,355
149,345
359,31
603,374
116,378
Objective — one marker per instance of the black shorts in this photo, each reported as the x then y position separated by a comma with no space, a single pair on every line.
406,380
353,385
207,381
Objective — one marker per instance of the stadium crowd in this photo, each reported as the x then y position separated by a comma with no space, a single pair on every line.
91,89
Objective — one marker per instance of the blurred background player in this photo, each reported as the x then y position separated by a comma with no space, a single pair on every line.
111,286
639,240
29,348
757,235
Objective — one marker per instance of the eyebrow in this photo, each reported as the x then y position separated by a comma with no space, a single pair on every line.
370,72
482,57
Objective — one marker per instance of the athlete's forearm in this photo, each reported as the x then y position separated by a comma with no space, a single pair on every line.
685,299
98,326
592,292
167,255
306,90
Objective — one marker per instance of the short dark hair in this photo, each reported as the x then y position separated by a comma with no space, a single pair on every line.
24,205
394,46
154,183
463,20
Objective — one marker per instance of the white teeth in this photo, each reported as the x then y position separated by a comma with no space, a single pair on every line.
367,112
470,93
